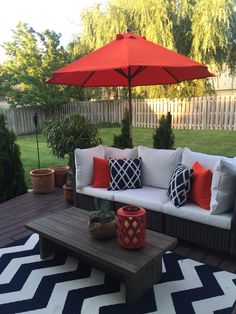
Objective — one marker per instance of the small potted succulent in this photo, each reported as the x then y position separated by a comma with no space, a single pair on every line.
63,136
102,221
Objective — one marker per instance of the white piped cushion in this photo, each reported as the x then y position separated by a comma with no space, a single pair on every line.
193,212
158,165
84,164
223,179
97,192
223,186
146,197
117,153
206,161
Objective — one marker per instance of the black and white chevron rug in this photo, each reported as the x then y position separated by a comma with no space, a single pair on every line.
62,284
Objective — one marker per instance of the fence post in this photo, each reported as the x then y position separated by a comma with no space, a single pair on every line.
204,114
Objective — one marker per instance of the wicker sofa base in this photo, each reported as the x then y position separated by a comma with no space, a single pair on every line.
87,202
155,220
205,235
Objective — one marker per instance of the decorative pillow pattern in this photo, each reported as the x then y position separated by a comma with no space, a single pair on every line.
125,174
101,174
179,185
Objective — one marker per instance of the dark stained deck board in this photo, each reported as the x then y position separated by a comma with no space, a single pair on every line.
15,213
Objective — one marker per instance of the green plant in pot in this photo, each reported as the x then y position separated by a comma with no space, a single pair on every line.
64,135
102,221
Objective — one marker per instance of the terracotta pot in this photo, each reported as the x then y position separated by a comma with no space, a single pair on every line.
102,230
42,180
60,175
68,193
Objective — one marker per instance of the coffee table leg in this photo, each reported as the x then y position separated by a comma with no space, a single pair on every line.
144,280
46,247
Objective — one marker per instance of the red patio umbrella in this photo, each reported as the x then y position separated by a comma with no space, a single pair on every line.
129,60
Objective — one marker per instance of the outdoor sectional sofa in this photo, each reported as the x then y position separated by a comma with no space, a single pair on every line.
214,228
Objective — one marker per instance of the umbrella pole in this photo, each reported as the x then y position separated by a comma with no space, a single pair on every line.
129,91
130,106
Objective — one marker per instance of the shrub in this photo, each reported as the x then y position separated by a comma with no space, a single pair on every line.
12,181
163,137
124,139
64,135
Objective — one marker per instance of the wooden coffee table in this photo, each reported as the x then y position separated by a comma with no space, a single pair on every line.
139,269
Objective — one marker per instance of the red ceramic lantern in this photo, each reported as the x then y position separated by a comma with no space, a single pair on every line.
131,226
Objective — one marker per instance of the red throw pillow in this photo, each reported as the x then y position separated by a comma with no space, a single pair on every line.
101,173
200,192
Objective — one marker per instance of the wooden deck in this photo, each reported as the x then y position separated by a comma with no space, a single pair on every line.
20,210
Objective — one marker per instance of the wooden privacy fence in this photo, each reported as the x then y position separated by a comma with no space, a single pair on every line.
208,113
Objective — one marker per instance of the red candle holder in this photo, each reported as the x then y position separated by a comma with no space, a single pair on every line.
131,226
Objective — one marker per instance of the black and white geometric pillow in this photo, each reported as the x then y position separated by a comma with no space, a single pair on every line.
125,174
179,185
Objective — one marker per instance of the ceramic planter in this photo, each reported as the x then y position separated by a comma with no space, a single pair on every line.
42,180
60,175
68,193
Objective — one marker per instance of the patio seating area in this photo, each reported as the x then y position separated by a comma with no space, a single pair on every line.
17,212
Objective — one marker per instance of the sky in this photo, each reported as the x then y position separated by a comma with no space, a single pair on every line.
60,16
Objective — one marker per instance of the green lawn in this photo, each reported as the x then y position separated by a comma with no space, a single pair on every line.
29,155
211,142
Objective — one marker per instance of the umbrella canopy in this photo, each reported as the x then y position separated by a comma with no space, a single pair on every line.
129,60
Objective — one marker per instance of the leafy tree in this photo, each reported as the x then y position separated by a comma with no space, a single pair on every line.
125,138
163,137
181,13
201,29
232,50
12,182
148,18
211,31
32,57
64,135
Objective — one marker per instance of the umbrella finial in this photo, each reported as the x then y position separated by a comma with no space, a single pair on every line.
128,30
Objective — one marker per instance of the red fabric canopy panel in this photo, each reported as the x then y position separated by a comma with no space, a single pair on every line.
130,60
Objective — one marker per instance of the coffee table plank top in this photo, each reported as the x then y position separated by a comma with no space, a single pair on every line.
69,228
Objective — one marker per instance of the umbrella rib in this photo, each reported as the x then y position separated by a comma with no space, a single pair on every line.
136,72
121,72
91,74
175,78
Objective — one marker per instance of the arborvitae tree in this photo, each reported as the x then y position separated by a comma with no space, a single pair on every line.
124,139
12,181
164,137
